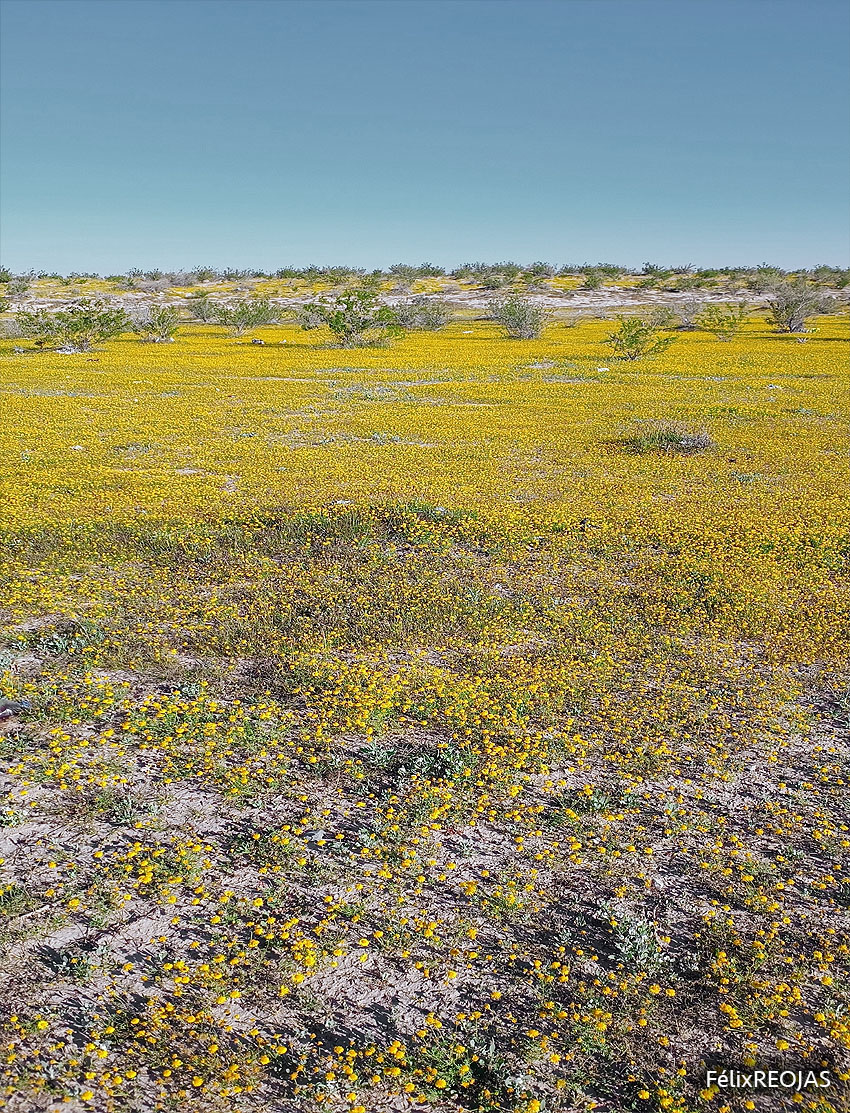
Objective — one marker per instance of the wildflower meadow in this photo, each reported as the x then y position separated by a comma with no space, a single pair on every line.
456,722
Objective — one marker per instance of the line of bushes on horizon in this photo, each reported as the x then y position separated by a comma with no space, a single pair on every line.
486,275
357,318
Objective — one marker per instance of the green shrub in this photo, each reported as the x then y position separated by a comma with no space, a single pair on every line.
690,282
724,321
246,313
308,317
75,329
202,307
793,303
157,323
425,314
403,273
539,270
663,317
355,317
494,281
636,338
521,319
828,276
764,278
669,438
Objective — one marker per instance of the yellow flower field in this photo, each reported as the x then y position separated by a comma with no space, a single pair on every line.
402,728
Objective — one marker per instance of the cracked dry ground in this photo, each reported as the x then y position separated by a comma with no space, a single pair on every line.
387,809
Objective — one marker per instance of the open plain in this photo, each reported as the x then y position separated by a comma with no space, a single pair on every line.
413,727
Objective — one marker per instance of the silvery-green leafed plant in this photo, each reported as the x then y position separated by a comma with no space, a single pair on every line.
724,321
202,307
520,318
424,314
75,329
637,338
157,323
792,304
246,313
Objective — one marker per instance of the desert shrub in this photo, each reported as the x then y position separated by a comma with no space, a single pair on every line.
181,278
825,274
490,276
662,316
156,323
539,270
792,303
154,285
764,278
465,270
669,438
494,276
430,270
202,307
592,280
425,314
370,281
76,328
636,338
689,282
404,273
724,321
512,270
688,311
494,281
308,317
521,319
19,284
355,317
246,313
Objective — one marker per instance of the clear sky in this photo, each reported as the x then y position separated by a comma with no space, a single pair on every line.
175,133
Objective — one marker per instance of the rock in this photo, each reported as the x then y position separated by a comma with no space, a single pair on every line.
10,707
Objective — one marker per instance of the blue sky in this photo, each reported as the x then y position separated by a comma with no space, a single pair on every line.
175,133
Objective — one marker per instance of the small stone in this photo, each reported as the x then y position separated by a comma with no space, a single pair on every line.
10,707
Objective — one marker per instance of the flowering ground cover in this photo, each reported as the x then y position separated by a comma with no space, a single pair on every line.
418,728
